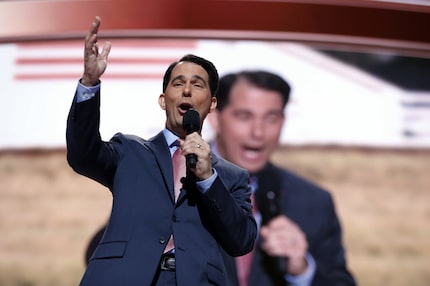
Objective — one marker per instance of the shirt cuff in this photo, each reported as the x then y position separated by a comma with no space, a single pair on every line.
84,93
204,185
304,279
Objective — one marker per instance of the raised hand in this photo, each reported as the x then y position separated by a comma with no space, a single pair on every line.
95,63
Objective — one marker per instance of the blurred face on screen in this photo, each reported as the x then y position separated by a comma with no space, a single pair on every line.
248,128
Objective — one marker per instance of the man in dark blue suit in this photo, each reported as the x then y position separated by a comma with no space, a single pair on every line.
300,241
158,234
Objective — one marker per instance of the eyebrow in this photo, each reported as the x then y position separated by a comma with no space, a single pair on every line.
181,77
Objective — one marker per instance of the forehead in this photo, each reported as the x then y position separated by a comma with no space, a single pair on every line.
189,69
245,94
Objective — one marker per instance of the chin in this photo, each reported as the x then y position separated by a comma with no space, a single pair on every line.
252,168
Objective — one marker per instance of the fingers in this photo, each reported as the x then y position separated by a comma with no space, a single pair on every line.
106,50
91,45
194,144
95,62
96,24
94,27
91,37
282,237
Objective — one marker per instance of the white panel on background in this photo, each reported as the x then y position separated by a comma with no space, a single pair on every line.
331,103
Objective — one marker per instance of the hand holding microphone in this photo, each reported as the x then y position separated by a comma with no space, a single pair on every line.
282,239
196,150
269,204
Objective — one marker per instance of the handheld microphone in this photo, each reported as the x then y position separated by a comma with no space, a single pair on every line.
190,124
268,198
274,209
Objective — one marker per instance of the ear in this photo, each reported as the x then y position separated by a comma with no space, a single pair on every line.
213,105
213,119
162,101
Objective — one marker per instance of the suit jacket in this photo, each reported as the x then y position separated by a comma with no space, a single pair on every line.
313,210
144,214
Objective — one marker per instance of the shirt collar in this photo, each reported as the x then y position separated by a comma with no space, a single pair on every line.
171,139
214,148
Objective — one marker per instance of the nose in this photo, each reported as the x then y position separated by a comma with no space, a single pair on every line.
187,90
257,129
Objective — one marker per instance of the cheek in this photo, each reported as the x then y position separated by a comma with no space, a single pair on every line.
273,135
233,130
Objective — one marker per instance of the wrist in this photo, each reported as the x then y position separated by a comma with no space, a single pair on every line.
86,81
297,266
206,175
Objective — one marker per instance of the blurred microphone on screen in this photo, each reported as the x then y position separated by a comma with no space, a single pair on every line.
267,197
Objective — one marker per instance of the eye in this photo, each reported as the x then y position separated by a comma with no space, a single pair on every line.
273,118
243,115
197,84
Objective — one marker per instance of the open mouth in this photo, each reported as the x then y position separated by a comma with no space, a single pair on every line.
252,152
184,107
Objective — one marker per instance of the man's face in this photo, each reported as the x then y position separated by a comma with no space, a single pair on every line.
249,127
188,88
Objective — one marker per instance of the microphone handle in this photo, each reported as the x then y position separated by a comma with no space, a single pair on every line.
274,209
191,161
282,264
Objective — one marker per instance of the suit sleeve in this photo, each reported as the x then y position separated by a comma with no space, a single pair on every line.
313,209
228,207
87,154
330,256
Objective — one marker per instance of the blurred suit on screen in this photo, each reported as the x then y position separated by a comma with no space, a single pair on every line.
300,241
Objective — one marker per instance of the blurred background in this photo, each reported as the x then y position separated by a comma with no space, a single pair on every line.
358,122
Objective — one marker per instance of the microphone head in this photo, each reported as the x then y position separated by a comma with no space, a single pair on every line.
191,121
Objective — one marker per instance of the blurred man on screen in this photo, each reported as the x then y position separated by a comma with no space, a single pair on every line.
300,241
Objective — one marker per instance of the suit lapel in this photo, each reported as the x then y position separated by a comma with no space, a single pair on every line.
159,148
214,158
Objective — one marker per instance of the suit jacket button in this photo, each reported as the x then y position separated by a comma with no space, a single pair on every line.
162,240
174,218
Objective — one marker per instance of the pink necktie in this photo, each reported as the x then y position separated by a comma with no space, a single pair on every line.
178,172
243,263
